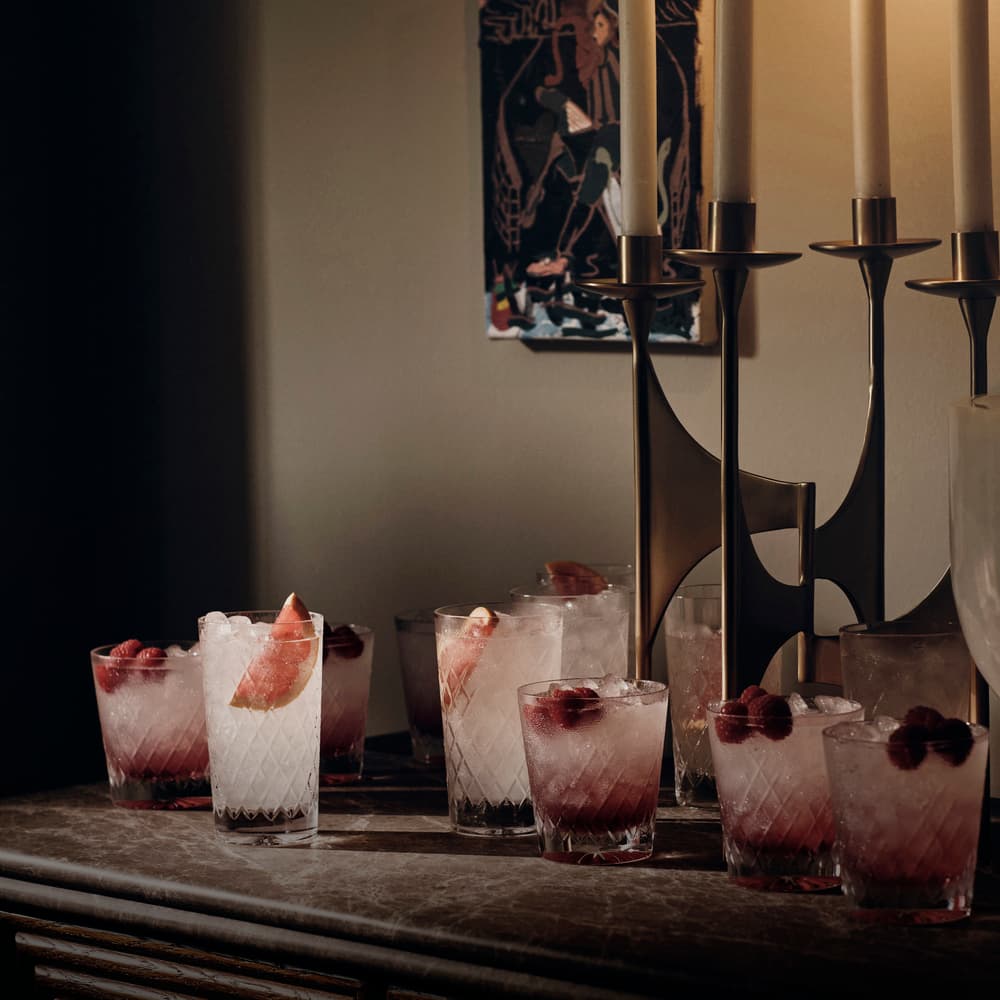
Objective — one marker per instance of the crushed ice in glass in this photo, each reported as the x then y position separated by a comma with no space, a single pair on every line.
830,704
798,705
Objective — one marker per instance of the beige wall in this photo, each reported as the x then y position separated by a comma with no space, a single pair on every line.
403,460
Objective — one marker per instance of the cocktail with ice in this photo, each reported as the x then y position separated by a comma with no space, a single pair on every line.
595,626
907,798
347,671
777,823
418,663
263,685
694,669
152,711
594,749
484,655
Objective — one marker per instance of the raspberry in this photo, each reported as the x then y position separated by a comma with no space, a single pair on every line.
751,692
771,713
127,649
731,722
921,715
150,653
907,745
953,741
110,675
343,641
567,707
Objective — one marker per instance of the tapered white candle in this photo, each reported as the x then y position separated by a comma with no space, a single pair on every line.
733,91
870,99
637,38
970,115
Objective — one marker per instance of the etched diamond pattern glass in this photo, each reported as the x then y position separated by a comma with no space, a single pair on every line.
594,768
777,824
906,837
265,759
479,676
153,728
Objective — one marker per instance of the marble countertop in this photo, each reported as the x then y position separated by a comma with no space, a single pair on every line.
386,871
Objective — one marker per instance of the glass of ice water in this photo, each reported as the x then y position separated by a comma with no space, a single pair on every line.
485,653
263,685
891,666
694,669
595,626
418,663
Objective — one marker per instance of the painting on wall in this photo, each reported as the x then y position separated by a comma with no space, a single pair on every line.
552,194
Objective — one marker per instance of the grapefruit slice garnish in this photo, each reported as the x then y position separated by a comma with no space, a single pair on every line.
461,652
570,578
277,675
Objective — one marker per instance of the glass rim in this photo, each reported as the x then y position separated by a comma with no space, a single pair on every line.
846,732
713,707
104,652
361,631
411,619
313,616
598,566
902,628
650,688
456,612
530,591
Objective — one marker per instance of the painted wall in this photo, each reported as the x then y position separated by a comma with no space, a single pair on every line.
401,460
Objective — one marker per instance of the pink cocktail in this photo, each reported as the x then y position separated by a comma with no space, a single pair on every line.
152,710
347,671
777,822
594,748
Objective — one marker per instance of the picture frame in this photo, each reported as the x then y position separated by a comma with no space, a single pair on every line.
550,78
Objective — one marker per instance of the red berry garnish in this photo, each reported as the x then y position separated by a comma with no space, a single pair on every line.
343,641
907,745
752,692
731,722
151,656
770,712
567,708
109,675
953,741
921,715
128,649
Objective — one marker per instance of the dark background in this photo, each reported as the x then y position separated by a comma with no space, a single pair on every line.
126,508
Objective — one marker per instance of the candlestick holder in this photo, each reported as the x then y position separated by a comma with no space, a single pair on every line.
759,613
639,286
850,546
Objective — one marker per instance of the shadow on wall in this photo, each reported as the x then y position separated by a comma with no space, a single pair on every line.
126,508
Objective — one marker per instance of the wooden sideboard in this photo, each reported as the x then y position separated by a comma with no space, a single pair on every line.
389,903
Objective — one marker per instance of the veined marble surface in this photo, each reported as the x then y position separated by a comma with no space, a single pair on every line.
386,870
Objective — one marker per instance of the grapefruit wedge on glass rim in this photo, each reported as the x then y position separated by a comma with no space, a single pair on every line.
281,669
570,578
461,652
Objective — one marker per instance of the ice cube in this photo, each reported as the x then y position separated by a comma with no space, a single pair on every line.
885,725
215,617
239,621
613,686
175,650
830,704
798,704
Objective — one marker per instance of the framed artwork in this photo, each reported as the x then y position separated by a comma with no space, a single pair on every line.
551,183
